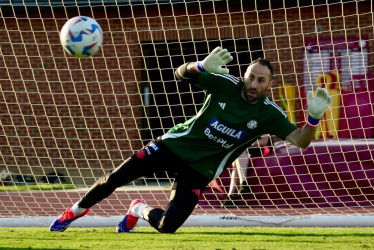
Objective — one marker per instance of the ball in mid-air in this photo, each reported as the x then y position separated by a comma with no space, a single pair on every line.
81,36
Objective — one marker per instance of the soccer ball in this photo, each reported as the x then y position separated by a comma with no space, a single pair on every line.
81,36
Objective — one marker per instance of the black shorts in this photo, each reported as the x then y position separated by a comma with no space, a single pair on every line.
156,157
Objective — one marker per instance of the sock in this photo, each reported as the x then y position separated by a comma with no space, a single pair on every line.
138,210
76,209
146,213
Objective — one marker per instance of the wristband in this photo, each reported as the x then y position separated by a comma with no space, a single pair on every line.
312,122
199,67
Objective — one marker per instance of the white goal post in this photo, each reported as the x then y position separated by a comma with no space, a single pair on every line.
64,121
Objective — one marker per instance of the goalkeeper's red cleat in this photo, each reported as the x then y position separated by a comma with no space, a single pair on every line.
129,221
63,222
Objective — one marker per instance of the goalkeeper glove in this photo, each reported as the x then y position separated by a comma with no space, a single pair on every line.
214,61
317,106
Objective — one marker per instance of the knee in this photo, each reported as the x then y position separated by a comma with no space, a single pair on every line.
162,223
167,229
110,179
166,226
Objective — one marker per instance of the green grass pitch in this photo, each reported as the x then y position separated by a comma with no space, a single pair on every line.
190,238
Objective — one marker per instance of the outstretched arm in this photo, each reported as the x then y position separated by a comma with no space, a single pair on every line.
212,63
317,107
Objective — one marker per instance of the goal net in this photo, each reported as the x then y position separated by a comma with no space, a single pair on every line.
64,121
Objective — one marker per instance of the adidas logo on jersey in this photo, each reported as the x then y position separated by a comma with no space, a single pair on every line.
222,105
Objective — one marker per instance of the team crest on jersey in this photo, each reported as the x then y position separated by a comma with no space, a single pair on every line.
252,124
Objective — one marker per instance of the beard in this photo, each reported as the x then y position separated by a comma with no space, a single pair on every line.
250,96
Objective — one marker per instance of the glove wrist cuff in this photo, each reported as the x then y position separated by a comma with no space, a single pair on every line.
312,122
199,67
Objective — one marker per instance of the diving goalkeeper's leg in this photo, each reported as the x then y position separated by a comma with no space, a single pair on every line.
137,165
185,195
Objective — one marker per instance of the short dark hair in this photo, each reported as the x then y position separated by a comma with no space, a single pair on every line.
265,62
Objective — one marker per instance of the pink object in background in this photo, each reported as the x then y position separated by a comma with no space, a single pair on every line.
356,114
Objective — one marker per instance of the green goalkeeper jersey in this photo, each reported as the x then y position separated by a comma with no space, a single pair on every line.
225,125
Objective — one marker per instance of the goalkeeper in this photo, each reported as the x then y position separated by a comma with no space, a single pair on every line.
235,113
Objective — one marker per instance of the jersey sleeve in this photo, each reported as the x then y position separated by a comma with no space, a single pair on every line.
282,127
208,82
278,124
